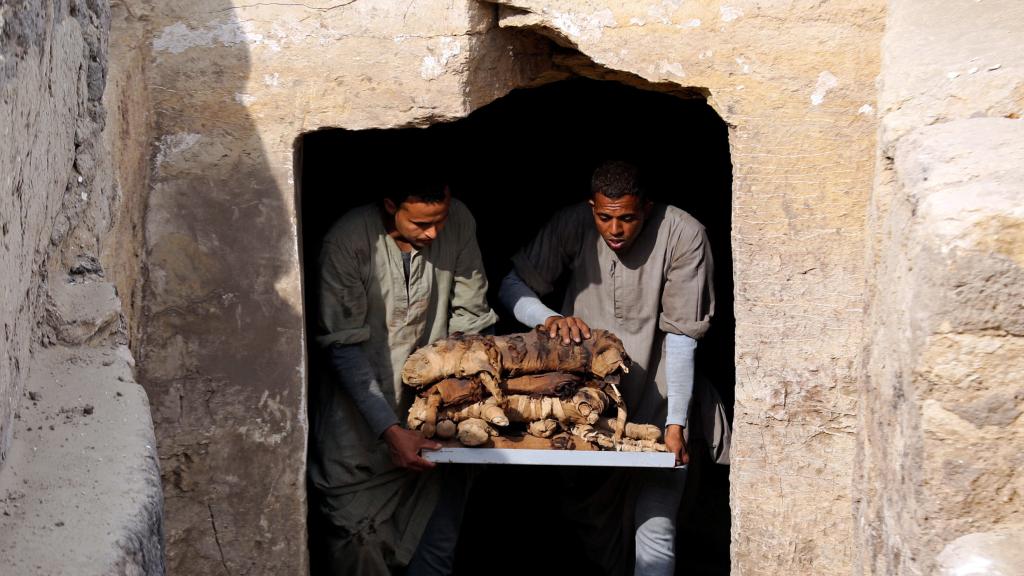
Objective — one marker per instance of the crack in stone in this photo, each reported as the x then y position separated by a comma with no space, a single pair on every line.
181,405
216,538
306,6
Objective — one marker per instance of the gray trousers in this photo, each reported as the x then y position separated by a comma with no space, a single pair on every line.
435,554
341,552
655,520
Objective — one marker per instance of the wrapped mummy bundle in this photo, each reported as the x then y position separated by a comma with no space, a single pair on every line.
473,387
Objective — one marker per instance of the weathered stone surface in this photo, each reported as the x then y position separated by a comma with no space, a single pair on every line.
126,137
65,511
84,313
234,85
947,61
41,53
223,347
999,552
80,495
944,434
48,75
940,455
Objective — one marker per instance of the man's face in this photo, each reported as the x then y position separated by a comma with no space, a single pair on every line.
417,222
619,220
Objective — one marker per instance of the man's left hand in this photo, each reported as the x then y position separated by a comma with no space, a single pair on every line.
676,444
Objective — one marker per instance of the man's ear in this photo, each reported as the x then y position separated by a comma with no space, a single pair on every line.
390,206
648,206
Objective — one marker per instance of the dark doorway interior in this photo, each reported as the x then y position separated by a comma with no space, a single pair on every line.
514,162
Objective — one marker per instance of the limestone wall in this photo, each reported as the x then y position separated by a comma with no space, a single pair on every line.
126,139
942,446
79,490
52,66
235,83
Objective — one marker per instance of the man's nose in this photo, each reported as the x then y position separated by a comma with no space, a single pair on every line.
616,228
431,232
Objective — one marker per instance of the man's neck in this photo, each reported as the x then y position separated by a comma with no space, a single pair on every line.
402,244
389,227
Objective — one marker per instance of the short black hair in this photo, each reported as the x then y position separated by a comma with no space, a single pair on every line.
428,191
615,179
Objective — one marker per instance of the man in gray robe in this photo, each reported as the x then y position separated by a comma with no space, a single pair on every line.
642,270
394,277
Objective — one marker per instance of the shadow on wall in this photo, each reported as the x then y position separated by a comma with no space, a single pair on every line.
222,352
514,163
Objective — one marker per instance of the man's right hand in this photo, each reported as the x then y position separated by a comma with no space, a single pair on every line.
405,446
570,328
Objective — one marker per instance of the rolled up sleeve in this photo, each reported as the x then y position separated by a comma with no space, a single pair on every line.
470,312
688,299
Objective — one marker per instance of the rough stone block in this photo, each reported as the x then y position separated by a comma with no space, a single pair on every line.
943,431
80,494
84,312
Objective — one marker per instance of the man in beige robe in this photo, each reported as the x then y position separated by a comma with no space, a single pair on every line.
643,271
394,277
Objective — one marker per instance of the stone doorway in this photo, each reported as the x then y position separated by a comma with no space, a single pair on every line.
516,161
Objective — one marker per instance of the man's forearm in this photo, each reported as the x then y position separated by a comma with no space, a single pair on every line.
523,301
679,352
358,380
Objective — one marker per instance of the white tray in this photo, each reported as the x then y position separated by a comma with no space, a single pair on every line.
463,455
